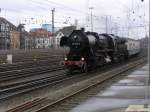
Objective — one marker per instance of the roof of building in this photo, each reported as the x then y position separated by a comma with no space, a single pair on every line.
6,21
48,27
21,28
40,33
66,30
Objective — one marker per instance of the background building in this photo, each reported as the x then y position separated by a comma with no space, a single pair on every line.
66,31
48,27
42,38
15,39
5,28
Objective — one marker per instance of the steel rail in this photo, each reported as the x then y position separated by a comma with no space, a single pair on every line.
30,86
9,75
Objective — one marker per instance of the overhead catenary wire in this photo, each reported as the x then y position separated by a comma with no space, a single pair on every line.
45,4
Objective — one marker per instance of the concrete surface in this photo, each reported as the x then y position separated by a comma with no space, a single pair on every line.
117,98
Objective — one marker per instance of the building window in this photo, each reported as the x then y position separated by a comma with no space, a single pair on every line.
3,34
2,27
7,27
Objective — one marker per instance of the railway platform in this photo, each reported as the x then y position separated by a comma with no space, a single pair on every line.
126,95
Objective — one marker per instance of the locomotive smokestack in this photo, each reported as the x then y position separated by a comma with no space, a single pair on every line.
83,29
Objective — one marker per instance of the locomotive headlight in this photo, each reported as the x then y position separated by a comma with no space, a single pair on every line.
82,59
66,59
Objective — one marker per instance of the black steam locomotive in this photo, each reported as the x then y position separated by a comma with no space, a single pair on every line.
90,49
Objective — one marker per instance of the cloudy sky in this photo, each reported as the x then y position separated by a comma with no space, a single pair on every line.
123,17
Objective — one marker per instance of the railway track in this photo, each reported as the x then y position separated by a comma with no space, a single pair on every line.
10,88
71,103
93,83
30,64
31,51
36,58
12,72
22,73
24,56
89,83
11,85
26,86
